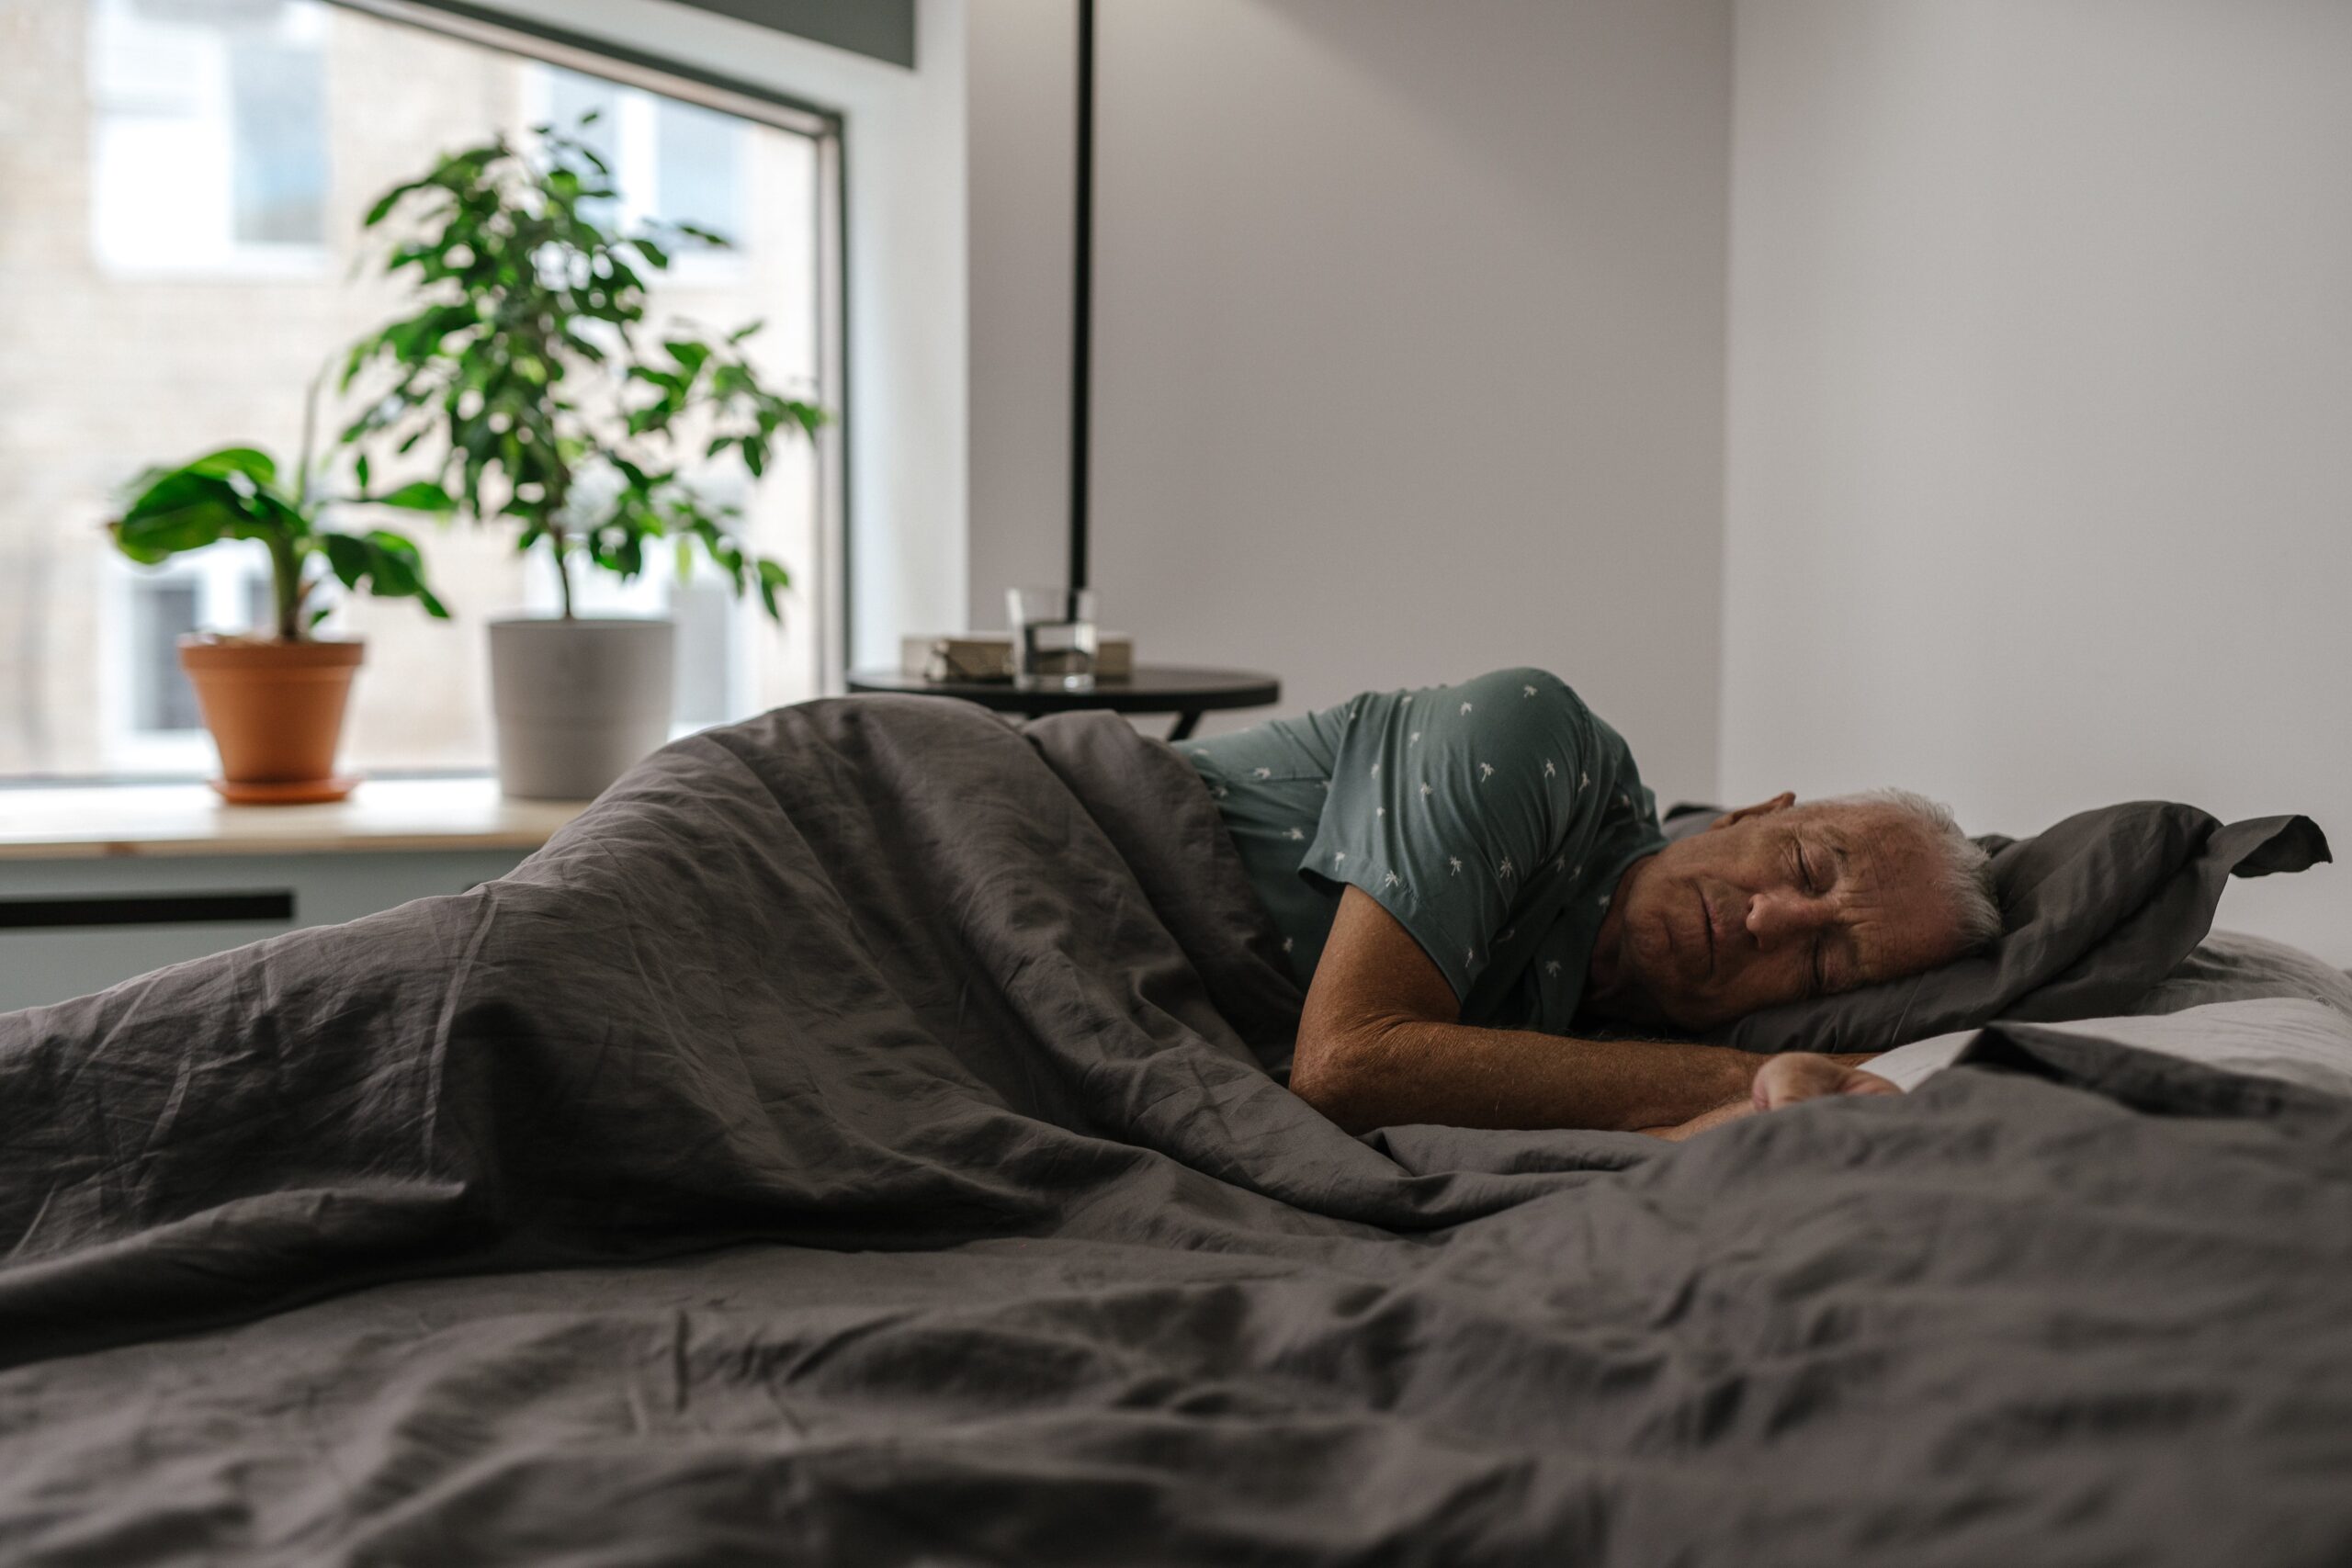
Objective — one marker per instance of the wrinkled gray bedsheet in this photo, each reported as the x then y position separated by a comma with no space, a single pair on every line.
844,1143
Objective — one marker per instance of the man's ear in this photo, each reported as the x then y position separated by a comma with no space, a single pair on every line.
1780,801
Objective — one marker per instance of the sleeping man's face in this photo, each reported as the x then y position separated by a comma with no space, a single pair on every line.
1772,904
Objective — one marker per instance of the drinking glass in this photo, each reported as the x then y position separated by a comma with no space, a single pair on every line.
1053,639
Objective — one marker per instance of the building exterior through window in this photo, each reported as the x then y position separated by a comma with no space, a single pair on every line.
181,189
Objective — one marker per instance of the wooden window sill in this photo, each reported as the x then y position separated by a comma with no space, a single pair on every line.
115,821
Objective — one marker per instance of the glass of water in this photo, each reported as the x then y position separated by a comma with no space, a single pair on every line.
1053,639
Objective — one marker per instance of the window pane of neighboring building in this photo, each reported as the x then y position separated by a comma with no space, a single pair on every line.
572,98
181,182
695,159
162,700
207,134
277,182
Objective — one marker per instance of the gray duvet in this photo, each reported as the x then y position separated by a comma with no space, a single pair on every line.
845,1144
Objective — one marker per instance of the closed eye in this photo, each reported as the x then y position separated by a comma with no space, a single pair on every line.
1817,956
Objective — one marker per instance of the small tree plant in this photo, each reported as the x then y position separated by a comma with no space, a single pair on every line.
238,492
529,360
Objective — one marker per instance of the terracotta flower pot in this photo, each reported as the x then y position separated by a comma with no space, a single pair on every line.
276,712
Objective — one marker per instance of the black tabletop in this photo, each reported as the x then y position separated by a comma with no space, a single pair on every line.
1153,688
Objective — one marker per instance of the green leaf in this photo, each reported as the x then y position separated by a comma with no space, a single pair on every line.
185,510
347,557
688,353
394,565
386,564
420,495
581,346
256,466
389,199
747,330
771,576
157,539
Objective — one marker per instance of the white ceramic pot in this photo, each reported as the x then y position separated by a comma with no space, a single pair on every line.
577,702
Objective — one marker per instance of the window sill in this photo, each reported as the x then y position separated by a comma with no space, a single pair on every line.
109,822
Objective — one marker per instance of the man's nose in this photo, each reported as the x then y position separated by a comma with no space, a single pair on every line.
1784,915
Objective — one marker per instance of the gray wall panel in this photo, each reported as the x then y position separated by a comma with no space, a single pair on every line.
883,30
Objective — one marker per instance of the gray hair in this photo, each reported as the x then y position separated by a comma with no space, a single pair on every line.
1966,878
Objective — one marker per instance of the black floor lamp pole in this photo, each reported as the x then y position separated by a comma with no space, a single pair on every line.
1082,326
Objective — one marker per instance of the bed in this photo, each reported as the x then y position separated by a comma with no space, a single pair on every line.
818,1155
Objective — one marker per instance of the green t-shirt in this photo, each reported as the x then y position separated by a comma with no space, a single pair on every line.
1492,819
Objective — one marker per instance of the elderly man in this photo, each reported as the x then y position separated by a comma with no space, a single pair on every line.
1471,884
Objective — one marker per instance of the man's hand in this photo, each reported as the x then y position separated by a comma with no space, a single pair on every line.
1730,1110
1782,1081
1797,1076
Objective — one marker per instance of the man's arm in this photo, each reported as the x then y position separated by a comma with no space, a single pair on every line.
1379,1044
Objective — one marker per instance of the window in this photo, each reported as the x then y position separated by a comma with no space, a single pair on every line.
184,183
154,719
694,172
208,135
167,610
673,161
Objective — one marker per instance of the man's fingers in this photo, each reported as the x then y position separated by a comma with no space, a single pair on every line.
1797,1076
1792,1077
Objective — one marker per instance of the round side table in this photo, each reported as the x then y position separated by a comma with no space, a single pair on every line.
1183,690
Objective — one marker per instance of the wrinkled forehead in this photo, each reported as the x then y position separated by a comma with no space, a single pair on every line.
1871,839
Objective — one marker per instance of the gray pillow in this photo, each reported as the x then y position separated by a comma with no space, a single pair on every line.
2233,966
2098,910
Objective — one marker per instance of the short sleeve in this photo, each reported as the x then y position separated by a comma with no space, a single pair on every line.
1447,803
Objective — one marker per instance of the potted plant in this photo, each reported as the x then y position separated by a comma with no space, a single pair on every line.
550,405
274,701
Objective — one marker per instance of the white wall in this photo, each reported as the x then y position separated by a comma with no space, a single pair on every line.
1021,58
2040,461
904,142
1409,342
